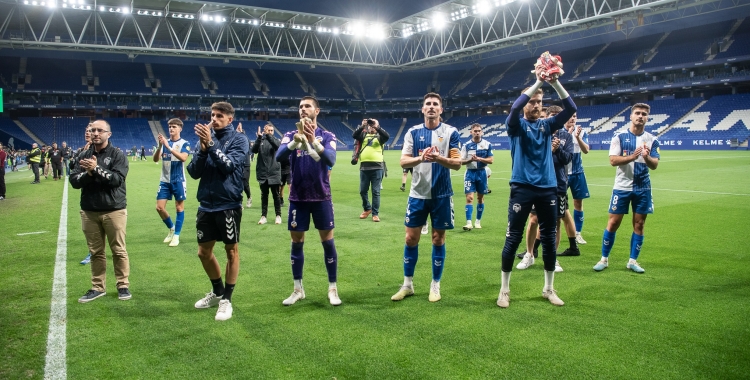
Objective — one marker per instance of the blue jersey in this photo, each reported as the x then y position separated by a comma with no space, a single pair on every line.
531,144
431,180
576,164
172,169
633,176
482,149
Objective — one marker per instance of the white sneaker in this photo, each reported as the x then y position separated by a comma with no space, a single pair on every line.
558,268
297,294
468,226
278,219
263,220
425,231
210,300
249,203
503,300
225,310
528,260
333,297
175,241
478,224
551,295
435,291
170,235
402,293
579,238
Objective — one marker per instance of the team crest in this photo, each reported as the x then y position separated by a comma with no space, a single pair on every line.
333,145
406,219
293,224
541,129
516,207
200,234
107,161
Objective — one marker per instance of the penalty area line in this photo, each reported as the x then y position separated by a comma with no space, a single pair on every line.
55,365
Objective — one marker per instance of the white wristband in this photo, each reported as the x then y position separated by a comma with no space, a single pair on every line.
537,85
318,146
560,89
293,145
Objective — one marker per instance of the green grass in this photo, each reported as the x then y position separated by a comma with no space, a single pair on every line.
683,318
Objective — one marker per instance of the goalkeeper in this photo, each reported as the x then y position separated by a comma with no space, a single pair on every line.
310,151
533,181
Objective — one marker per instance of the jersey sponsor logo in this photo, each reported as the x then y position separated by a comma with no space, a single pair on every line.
516,207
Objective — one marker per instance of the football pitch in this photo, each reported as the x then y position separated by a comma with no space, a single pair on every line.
682,319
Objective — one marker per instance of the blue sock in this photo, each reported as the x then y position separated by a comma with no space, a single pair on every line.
636,243
469,210
178,223
168,222
331,257
607,242
578,220
298,260
438,259
480,211
411,254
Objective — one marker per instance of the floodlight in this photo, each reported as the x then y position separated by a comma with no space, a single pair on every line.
439,20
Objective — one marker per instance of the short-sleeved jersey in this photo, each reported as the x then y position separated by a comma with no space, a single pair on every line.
576,164
431,180
309,179
482,149
633,176
172,169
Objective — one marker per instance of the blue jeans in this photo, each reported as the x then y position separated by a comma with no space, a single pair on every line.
367,178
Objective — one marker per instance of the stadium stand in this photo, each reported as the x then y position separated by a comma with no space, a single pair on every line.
10,129
722,117
342,132
688,45
739,43
58,129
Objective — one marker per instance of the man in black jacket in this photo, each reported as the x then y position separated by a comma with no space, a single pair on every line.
218,163
55,159
100,173
268,171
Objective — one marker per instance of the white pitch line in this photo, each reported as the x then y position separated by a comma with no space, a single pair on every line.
55,366
32,233
658,189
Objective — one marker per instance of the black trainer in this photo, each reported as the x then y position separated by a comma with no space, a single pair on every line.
91,295
570,252
403,187
124,294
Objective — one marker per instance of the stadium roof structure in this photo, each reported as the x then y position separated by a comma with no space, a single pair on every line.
384,35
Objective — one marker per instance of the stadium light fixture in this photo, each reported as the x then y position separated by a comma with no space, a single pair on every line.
377,32
335,30
323,29
459,14
423,26
356,29
183,16
274,24
439,20
213,18
247,21
148,12
301,27
482,8
407,31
